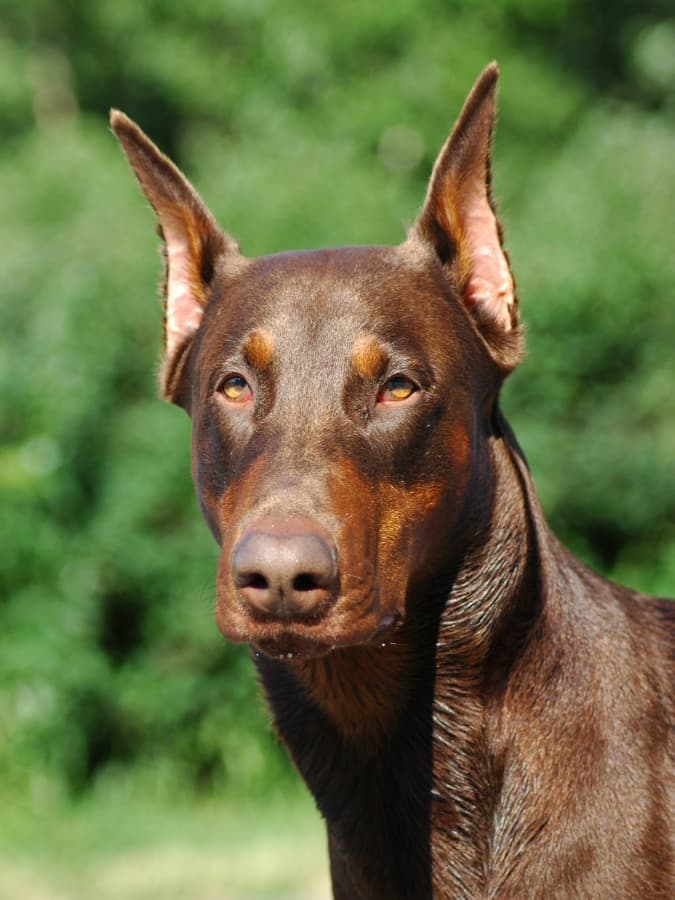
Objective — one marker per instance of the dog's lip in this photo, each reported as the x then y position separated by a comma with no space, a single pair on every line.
387,622
287,644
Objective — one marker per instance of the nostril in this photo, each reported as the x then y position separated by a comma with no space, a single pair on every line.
307,582
252,580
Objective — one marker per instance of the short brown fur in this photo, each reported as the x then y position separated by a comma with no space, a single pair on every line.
477,714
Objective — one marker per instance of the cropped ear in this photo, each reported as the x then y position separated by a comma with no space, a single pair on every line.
458,220
193,244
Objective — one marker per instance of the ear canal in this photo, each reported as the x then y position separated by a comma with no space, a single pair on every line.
193,242
458,220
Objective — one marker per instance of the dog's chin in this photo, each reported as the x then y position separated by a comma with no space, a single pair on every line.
288,645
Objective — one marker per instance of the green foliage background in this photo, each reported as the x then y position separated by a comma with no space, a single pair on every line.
302,125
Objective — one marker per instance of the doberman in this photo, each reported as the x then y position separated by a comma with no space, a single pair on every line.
477,714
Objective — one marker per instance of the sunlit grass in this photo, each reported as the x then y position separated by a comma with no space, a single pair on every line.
111,848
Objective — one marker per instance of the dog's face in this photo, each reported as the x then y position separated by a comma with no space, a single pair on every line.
337,406
330,396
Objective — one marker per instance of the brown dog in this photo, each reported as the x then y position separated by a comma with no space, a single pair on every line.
477,714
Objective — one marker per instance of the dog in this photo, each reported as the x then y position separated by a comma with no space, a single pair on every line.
477,714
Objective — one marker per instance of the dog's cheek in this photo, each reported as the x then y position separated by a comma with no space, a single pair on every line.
408,523
420,519
211,472
354,507
232,508
377,537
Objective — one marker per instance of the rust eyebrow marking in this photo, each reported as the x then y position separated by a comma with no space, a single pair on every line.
369,357
258,349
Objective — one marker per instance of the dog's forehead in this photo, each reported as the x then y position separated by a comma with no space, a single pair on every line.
333,297
305,293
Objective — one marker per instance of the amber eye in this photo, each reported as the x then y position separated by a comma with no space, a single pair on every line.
236,389
396,389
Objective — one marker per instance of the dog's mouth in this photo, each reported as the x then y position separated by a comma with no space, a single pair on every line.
289,645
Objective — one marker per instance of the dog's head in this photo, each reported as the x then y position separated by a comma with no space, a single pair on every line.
339,398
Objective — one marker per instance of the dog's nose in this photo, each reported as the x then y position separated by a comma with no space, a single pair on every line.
285,569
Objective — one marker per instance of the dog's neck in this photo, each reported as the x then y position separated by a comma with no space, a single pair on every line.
462,630
481,608
415,712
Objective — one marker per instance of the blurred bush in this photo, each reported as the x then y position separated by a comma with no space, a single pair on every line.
302,125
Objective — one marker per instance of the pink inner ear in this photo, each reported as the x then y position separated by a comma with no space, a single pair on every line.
490,285
184,307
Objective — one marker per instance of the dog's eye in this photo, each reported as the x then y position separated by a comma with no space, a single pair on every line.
236,389
397,389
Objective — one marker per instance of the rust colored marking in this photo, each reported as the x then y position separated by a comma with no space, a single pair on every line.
259,349
369,357
459,446
361,689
